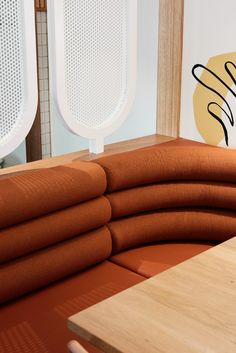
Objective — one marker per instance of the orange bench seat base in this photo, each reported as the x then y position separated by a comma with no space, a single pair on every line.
38,322
150,260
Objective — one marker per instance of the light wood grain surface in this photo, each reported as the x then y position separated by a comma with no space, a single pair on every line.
41,5
86,156
170,38
190,308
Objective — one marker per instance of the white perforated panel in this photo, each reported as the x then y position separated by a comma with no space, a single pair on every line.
93,55
11,67
18,82
96,58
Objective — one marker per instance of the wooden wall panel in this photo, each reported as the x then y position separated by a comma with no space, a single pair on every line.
170,39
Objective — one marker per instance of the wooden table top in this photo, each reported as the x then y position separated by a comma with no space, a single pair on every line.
190,308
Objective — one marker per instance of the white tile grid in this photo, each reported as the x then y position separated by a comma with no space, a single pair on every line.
41,19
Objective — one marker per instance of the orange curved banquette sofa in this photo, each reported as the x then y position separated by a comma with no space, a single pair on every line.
74,235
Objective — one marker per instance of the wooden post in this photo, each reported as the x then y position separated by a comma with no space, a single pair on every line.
170,40
33,140
41,5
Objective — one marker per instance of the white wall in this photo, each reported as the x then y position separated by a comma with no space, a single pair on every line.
16,157
209,31
142,118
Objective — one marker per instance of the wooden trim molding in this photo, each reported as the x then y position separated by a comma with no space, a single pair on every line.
117,147
170,42
33,139
41,5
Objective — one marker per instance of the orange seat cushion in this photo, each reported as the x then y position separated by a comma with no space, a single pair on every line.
38,322
153,259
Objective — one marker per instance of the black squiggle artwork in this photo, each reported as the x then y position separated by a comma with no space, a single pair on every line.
210,108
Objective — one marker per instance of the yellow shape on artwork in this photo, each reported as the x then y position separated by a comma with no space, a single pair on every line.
209,128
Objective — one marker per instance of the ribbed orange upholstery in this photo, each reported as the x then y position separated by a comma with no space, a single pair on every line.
43,267
172,195
177,191
34,194
43,231
159,196
37,323
166,163
171,225
19,172
52,225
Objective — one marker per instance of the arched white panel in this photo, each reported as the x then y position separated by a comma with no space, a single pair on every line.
18,72
92,50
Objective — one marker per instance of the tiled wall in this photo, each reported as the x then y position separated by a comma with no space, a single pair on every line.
41,19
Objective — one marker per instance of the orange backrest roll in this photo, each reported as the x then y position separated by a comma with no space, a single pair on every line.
171,192
29,195
53,263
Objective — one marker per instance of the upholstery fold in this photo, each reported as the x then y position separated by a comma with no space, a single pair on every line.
172,195
173,225
53,263
167,163
32,235
29,195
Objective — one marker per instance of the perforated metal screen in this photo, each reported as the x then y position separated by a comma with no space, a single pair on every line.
18,72
96,58
93,55
11,67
